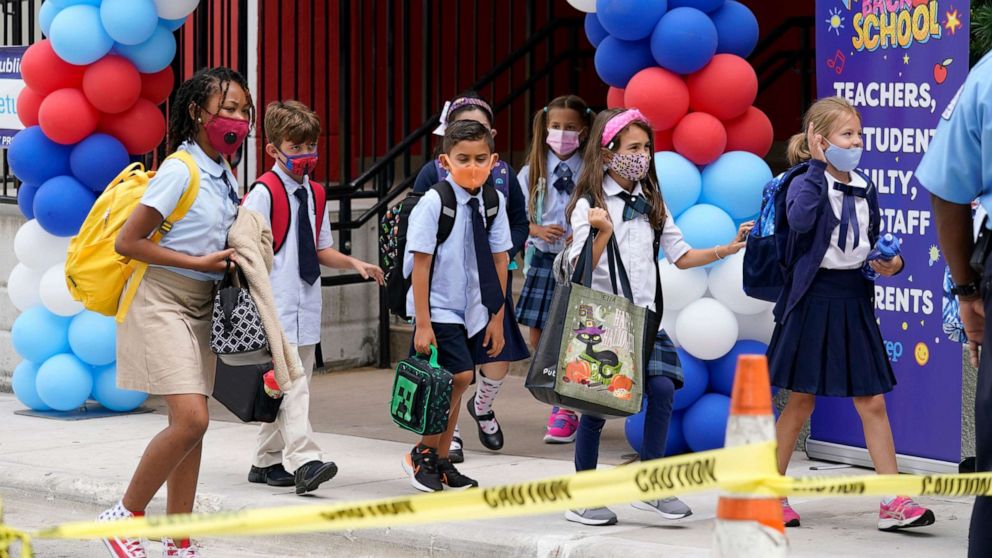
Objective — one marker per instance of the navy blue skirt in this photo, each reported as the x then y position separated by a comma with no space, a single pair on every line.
515,348
830,343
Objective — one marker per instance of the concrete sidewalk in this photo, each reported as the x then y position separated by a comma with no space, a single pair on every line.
91,462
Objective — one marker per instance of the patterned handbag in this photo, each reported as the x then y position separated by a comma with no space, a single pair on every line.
237,335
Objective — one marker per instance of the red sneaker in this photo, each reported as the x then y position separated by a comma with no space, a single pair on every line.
121,547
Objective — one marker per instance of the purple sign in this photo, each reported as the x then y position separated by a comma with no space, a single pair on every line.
900,62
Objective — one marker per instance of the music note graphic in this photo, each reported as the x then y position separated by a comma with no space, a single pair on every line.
837,62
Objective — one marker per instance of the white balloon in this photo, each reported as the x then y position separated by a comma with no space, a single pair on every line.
668,324
55,294
757,327
22,287
37,248
681,287
587,6
706,329
727,285
175,9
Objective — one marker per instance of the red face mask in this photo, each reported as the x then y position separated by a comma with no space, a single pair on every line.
226,134
470,176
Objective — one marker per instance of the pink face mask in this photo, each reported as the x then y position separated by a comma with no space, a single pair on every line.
226,134
563,142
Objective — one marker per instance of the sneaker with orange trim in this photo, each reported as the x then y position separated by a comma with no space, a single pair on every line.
421,465
452,477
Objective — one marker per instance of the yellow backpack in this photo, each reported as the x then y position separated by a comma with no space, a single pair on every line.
94,272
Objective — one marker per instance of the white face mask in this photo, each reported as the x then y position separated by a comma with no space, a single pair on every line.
844,160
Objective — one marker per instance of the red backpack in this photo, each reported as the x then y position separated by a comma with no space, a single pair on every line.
279,216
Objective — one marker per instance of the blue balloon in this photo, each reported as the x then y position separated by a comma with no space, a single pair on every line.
46,15
737,28
129,22
93,338
38,334
723,369
617,61
34,158
680,181
25,199
152,55
705,423
697,377
60,4
701,5
78,36
735,182
594,30
106,392
172,24
97,160
23,384
62,204
633,429
675,443
706,226
630,20
684,41
64,382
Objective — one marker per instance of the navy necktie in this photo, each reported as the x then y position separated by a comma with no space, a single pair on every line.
849,215
232,192
563,181
634,205
492,292
309,268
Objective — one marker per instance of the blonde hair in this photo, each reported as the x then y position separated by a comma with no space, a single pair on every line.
290,120
825,114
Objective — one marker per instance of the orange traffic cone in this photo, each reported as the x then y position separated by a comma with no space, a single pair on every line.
750,526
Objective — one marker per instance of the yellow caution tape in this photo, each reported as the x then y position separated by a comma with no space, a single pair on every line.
744,470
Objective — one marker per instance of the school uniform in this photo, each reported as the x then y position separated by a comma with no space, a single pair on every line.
554,192
163,346
289,439
826,340
458,316
504,179
635,239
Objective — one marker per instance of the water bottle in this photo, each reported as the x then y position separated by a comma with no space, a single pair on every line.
886,248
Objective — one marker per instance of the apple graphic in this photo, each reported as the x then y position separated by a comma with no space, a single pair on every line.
940,71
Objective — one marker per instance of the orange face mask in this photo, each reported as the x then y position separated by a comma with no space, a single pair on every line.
470,175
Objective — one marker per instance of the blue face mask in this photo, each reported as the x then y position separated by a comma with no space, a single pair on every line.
844,160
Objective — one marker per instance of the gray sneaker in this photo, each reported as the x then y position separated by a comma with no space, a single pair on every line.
592,516
669,508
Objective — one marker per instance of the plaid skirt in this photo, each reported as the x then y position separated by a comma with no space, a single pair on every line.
665,361
539,287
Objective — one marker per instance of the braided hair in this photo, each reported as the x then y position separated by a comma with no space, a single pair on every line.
196,91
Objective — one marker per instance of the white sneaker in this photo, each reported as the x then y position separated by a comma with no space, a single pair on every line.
120,547
171,550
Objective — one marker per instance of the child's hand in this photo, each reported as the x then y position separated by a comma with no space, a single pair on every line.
743,231
887,268
367,270
494,336
600,219
815,142
550,233
423,338
217,261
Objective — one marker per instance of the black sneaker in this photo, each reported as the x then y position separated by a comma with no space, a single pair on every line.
455,452
275,475
313,474
492,441
452,477
421,465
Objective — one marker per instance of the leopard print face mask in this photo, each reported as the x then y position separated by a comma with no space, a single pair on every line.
632,166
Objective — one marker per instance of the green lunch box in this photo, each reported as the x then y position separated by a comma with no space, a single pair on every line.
421,399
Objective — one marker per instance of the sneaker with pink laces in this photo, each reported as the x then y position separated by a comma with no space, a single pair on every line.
120,547
789,515
562,425
181,549
901,513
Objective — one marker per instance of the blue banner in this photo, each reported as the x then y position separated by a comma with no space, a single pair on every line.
11,85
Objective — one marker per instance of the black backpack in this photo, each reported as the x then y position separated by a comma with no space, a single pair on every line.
392,237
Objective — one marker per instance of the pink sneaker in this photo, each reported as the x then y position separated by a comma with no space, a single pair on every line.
903,512
789,515
184,549
562,425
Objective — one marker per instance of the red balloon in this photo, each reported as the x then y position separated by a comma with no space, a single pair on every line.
112,84
700,137
614,98
724,88
156,87
28,103
45,72
66,116
660,95
751,132
140,128
663,140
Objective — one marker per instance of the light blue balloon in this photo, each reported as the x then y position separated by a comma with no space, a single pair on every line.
78,36
60,4
705,226
45,16
64,382
23,384
734,183
106,392
93,338
680,181
129,22
152,55
38,334
172,24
